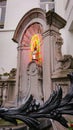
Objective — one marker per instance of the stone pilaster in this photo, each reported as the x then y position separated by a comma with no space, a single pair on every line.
50,36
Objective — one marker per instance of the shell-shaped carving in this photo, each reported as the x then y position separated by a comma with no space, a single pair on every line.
33,29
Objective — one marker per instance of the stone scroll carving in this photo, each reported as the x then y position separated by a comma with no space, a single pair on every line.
12,74
63,62
67,62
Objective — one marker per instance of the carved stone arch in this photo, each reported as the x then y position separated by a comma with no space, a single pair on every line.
35,15
34,28
34,20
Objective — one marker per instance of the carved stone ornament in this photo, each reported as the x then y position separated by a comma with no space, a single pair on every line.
63,62
34,68
67,62
12,74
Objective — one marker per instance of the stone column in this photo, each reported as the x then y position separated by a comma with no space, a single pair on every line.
22,78
50,36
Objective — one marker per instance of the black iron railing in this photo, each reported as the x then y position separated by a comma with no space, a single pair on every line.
54,108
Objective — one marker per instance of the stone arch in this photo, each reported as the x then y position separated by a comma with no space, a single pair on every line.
32,16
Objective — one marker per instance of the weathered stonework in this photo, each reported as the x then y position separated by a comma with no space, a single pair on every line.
7,88
35,80
32,78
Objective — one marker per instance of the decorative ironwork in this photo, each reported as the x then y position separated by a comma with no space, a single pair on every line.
54,108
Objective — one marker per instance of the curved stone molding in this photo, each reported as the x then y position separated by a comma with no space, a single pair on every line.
31,15
34,68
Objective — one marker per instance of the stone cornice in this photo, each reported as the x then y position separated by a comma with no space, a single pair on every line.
55,20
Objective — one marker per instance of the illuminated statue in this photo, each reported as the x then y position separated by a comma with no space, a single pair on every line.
35,47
